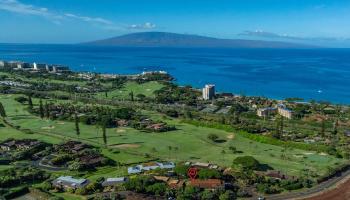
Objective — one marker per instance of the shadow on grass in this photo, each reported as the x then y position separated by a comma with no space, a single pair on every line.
265,167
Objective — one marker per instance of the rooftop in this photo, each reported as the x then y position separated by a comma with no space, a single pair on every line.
71,180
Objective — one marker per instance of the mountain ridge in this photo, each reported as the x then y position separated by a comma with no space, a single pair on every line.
166,39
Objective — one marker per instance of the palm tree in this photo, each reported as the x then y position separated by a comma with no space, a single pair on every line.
41,109
2,110
30,102
76,119
131,94
169,148
104,134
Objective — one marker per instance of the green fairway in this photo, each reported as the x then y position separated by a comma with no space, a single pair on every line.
187,143
146,89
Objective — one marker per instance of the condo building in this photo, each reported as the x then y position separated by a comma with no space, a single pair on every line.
209,92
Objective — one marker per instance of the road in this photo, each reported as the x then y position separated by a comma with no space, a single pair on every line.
314,191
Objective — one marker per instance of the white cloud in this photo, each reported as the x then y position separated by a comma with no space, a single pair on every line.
27,9
89,19
264,34
147,25
15,6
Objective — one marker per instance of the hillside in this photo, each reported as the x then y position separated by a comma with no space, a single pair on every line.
164,39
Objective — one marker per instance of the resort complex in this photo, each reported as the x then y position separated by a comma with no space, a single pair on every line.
82,134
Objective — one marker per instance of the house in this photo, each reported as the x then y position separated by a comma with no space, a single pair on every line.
150,166
284,111
122,122
68,182
188,163
265,112
201,165
72,146
91,160
24,144
161,178
114,181
347,133
135,169
156,127
207,183
167,165
175,184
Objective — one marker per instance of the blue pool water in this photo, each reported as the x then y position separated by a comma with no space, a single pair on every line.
320,74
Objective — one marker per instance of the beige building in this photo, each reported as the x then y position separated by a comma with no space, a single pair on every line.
284,111
265,112
209,92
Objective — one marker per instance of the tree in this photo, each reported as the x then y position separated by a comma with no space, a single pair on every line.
213,137
47,110
247,162
2,110
323,127
131,94
208,195
141,97
41,109
170,148
236,110
157,189
104,134
76,119
208,173
279,127
228,195
30,102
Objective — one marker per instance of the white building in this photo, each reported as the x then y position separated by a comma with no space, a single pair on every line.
59,69
2,64
208,92
38,66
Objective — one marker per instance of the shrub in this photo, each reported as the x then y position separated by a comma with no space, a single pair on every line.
213,137
208,173
247,162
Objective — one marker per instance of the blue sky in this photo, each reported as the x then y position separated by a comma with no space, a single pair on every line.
324,22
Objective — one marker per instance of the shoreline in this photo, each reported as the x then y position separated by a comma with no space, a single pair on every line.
181,84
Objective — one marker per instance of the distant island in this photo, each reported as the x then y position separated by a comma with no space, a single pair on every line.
164,39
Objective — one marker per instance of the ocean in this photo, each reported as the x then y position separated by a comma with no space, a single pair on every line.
319,74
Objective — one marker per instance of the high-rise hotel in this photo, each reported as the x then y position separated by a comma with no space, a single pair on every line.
208,92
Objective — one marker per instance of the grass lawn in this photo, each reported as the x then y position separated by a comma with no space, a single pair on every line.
146,89
68,196
187,143
4,167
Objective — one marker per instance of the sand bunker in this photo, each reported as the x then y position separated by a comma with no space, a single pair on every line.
231,137
60,123
126,146
48,127
120,130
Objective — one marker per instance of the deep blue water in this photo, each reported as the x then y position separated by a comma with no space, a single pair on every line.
320,74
